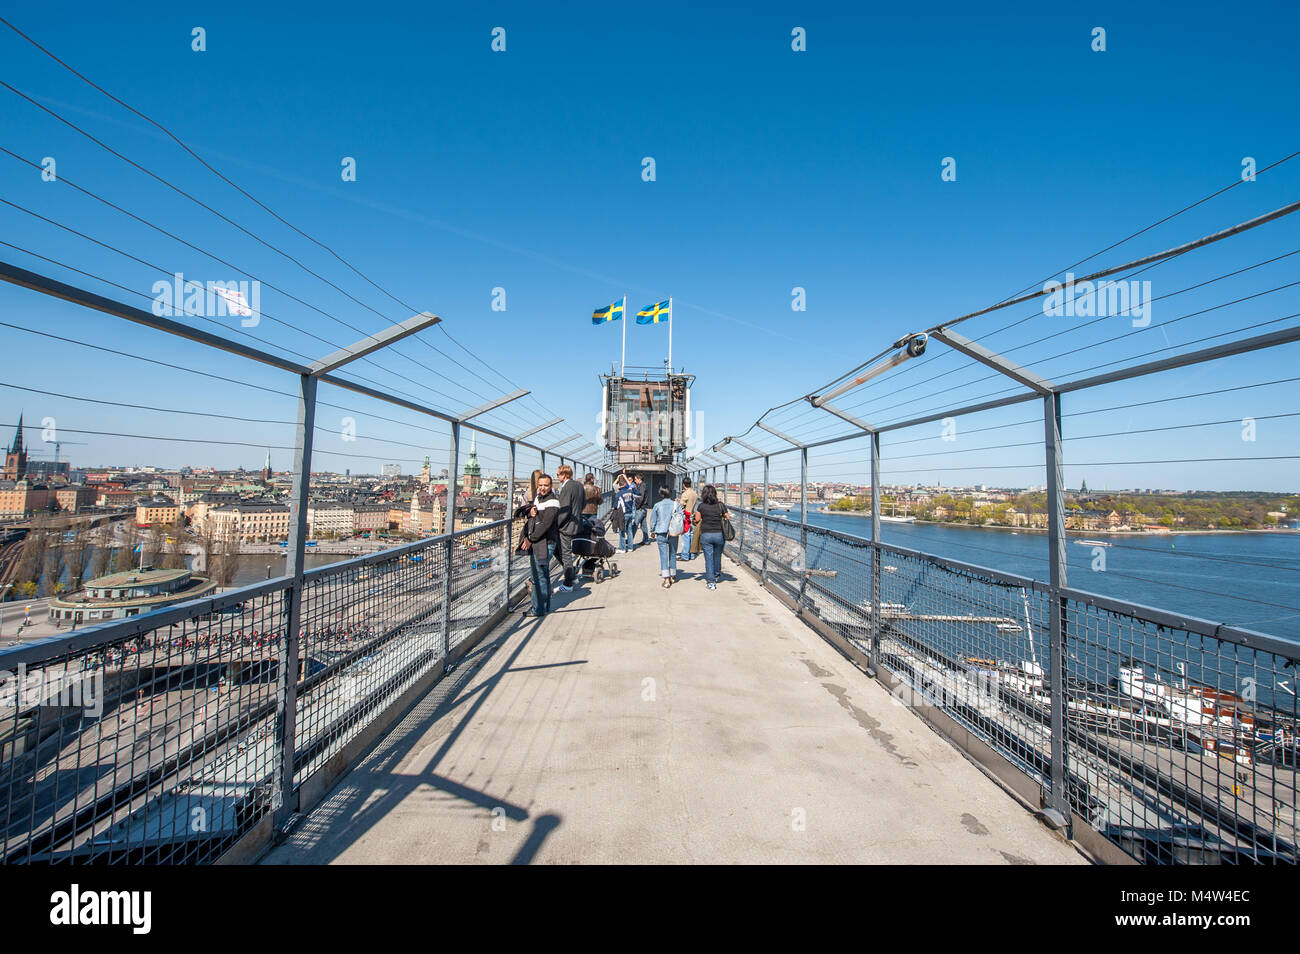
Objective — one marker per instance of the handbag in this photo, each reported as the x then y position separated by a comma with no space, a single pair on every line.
677,521
728,531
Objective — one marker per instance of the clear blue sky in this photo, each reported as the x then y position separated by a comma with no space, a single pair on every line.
775,169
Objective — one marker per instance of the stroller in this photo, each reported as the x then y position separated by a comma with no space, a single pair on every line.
594,551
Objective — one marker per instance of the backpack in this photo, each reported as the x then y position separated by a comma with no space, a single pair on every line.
677,522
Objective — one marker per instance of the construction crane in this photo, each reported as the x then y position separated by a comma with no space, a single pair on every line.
58,444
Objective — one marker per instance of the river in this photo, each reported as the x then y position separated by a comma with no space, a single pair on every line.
1243,579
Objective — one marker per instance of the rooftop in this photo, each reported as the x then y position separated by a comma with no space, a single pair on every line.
635,724
146,577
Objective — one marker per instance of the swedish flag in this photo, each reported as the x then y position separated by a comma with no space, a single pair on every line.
653,314
612,312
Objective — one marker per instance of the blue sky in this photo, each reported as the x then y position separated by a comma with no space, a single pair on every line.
774,169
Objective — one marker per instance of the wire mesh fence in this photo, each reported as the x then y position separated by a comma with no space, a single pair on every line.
159,739
1182,744
143,741
1179,736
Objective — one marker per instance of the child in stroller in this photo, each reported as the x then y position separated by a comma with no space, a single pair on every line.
593,550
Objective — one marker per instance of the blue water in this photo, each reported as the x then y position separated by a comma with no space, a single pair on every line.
1250,580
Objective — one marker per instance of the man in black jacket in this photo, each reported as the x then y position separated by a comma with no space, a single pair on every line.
638,519
543,534
572,499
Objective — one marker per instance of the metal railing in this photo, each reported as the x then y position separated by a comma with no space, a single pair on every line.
1171,738
168,736
163,738
1178,747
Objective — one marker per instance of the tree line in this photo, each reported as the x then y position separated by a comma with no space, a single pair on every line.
56,558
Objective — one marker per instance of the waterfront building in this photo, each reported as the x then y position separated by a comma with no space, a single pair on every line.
330,519
159,510
129,593
398,512
369,517
250,521
425,516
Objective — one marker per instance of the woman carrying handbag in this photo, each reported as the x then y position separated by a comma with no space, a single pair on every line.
666,523
539,539
712,523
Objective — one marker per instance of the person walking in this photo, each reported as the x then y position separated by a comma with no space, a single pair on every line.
592,495
541,534
615,515
666,520
638,483
689,499
625,501
709,512
572,499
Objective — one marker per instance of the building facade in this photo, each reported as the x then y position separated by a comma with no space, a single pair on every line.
159,510
75,498
250,522
330,520
21,497
130,593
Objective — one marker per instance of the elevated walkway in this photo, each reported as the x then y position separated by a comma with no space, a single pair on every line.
635,724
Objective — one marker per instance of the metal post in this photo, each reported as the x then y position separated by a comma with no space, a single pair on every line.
510,522
726,482
875,550
1056,542
451,543
767,461
287,695
744,505
803,522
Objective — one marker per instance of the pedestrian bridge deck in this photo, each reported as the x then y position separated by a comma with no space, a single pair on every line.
635,724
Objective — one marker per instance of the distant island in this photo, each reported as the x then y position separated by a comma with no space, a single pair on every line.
1151,513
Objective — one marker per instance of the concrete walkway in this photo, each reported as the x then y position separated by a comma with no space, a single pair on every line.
635,724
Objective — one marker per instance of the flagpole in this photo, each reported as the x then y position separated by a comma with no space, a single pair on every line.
623,370
670,335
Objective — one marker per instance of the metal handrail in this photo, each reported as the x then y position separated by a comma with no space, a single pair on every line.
106,634
1226,632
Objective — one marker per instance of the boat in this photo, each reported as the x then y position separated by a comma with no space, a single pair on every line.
1200,707
885,519
1093,543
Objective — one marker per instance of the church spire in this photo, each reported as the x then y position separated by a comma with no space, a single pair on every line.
16,455
473,472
